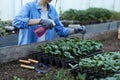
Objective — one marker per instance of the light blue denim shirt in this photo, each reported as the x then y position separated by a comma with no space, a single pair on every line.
32,10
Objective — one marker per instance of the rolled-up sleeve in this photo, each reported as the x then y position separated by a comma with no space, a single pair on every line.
21,20
61,30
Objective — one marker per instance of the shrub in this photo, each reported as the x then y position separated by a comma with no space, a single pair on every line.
2,28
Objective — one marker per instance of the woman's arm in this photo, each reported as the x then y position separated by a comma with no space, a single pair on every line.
71,31
33,21
22,19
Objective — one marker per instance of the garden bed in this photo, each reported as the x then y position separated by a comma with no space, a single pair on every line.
9,70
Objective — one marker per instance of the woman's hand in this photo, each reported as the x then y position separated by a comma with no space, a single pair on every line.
46,23
80,29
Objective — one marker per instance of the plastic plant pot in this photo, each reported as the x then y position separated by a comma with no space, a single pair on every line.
58,62
45,58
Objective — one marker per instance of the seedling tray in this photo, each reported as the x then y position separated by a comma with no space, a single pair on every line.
58,61
52,60
91,73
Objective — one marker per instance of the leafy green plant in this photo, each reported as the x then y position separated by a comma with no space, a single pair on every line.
17,78
115,15
81,76
71,14
99,14
2,28
106,61
8,22
47,76
113,77
70,48
89,15
61,74
83,16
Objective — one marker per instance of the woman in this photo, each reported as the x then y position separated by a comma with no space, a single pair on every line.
36,13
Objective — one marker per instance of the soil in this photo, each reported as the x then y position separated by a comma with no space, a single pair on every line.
111,44
12,69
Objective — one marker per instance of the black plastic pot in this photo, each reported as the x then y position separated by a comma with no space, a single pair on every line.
50,59
37,57
52,62
91,73
45,60
58,62
63,63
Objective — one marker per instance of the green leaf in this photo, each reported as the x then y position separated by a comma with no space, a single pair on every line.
73,66
68,55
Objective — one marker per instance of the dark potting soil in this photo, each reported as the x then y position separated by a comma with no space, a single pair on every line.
12,69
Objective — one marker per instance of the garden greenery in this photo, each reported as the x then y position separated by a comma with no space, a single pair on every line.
109,61
90,15
2,28
70,48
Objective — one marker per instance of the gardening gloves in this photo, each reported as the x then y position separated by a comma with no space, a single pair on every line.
80,29
48,24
